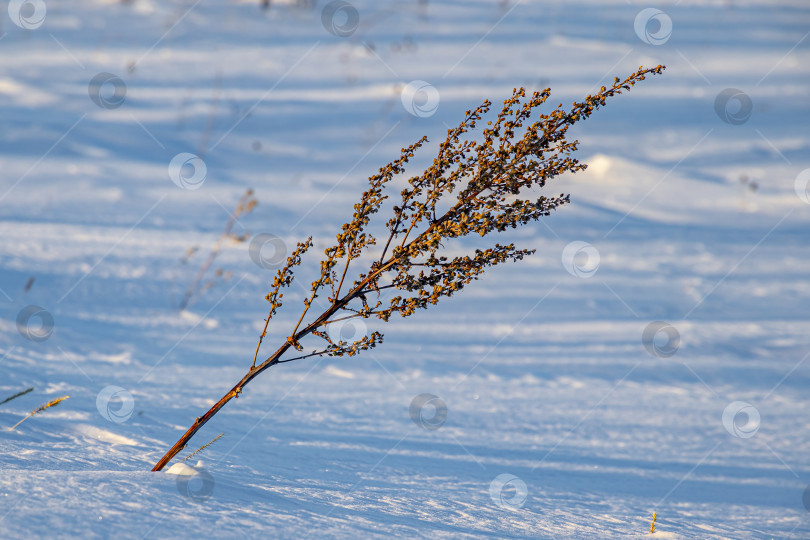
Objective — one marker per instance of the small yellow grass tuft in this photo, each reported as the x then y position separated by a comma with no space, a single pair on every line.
39,409
652,525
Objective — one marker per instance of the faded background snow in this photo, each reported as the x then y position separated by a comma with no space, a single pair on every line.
692,224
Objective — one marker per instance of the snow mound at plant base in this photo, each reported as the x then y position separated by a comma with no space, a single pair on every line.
181,469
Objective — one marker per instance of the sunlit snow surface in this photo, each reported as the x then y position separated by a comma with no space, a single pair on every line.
698,215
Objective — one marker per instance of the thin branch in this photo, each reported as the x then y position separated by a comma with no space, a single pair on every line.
203,447
18,394
245,205
314,353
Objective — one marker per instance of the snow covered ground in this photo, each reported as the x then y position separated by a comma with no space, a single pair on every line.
659,365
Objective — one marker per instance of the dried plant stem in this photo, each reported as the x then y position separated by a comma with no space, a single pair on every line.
209,125
18,394
39,409
245,205
485,178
